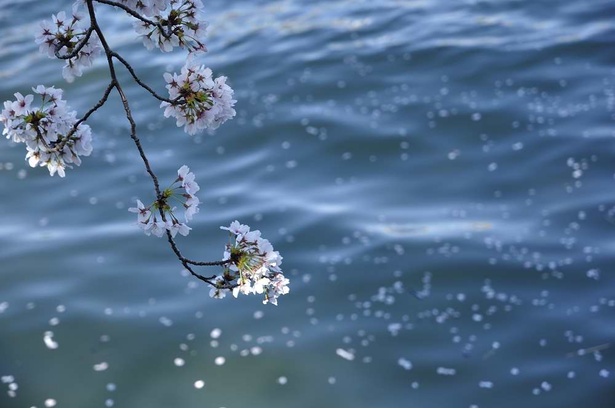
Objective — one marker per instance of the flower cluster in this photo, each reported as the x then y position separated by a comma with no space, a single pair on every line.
66,36
55,138
199,101
147,217
50,131
171,23
253,266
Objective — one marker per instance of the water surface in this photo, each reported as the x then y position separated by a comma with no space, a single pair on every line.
437,175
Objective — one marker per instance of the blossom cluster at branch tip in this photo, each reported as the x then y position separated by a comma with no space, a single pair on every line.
149,218
253,267
199,101
169,24
49,131
63,36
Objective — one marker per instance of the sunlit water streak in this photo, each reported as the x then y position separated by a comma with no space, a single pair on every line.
437,175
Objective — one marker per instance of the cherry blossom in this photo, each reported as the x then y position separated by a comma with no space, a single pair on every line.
50,131
147,216
199,101
175,226
173,23
218,290
143,215
65,35
253,266
187,180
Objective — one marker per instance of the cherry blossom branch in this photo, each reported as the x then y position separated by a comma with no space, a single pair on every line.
56,139
133,134
117,86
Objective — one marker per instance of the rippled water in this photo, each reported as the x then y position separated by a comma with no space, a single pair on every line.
438,176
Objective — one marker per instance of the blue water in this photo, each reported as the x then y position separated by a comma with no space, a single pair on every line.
439,177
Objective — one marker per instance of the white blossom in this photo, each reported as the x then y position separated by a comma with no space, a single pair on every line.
64,35
145,7
147,217
237,229
187,180
143,213
175,227
191,206
170,24
199,101
22,105
253,265
158,228
218,291
50,131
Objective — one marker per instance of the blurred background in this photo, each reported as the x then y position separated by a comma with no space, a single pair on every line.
438,176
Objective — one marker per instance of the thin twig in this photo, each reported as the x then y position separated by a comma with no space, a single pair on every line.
129,11
99,104
138,80
60,145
